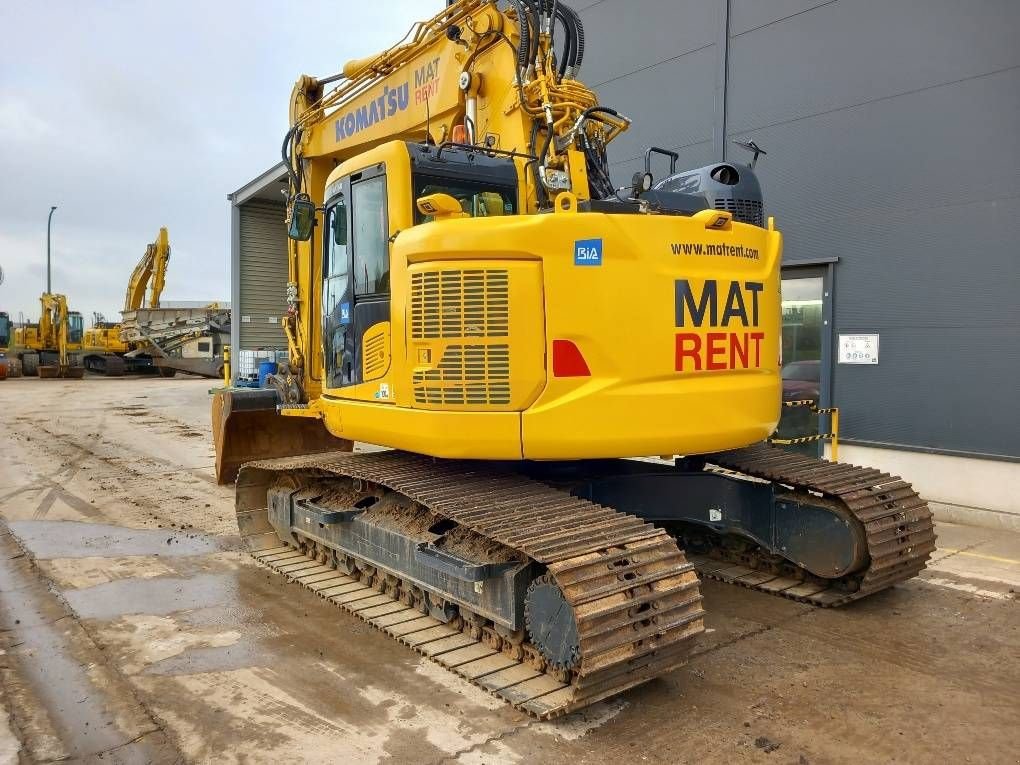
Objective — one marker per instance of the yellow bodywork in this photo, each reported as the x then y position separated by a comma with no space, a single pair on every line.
673,319
58,331
621,315
53,332
104,338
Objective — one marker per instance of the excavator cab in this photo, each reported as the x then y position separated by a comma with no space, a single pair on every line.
5,330
75,329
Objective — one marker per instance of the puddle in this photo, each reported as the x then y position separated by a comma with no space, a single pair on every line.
162,595
74,539
82,708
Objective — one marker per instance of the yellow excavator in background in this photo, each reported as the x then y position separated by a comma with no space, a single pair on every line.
52,347
469,288
106,348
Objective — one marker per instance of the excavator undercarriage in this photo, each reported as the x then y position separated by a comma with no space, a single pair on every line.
554,585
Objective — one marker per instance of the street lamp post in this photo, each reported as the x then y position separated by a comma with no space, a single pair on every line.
49,220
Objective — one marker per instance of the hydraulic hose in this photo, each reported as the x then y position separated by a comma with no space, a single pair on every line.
295,177
567,61
579,39
524,21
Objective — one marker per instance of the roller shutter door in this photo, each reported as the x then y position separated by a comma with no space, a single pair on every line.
263,275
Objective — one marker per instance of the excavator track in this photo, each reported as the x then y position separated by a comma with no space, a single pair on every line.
634,597
897,524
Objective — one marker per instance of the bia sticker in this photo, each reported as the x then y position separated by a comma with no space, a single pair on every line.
588,252
345,313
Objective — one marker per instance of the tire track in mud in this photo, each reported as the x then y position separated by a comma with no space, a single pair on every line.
133,483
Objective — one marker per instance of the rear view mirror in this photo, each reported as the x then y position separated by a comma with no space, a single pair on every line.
302,219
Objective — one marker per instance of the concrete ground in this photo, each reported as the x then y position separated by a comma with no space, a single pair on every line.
132,629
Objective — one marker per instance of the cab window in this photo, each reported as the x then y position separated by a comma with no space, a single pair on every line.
371,251
478,200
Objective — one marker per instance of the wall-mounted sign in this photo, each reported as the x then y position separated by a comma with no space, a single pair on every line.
858,349
246,319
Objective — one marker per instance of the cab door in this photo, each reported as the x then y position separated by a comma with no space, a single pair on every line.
356,268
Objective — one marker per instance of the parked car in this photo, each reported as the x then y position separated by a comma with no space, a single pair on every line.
801,380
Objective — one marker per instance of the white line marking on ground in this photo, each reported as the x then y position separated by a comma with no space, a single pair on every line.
964,587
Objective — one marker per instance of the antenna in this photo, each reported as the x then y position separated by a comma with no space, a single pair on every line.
752,146
428,117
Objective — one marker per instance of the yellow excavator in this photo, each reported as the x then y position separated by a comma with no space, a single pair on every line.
52,347
106,350
469,289
103,349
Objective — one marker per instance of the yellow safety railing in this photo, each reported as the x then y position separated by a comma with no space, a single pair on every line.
832,436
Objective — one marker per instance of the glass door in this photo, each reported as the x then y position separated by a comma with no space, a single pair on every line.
804,353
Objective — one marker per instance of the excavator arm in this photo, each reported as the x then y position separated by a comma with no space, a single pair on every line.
150,271
472,74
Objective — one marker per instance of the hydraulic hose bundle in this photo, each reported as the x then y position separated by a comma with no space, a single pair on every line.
542,17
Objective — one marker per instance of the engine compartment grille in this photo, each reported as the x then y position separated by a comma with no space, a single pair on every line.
467,375
455,303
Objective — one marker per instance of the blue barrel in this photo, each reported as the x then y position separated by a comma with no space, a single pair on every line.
266,368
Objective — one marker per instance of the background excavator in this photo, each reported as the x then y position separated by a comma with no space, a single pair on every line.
468,288
52,347
152,337
106,352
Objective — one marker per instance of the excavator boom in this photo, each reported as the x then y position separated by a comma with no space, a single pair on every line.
149,275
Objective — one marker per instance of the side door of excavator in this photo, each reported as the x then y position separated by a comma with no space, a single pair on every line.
356,274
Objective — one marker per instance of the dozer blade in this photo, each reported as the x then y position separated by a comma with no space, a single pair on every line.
246,427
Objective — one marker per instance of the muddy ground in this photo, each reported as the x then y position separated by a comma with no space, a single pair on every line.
133,629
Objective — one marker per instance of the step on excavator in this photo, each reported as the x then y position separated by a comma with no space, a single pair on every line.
468,289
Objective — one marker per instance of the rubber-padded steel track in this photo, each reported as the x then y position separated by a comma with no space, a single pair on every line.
635,597
897,524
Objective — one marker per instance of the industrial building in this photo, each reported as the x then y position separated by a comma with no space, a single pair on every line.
258,269
892,133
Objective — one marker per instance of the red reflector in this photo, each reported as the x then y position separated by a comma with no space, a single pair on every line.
568,361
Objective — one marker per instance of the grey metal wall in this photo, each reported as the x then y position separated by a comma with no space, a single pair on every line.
893,132
656,61
263,275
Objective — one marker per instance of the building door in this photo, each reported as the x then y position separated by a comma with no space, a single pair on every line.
806,349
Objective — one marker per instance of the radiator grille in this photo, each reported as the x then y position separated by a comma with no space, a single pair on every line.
466,374
744,210
460,303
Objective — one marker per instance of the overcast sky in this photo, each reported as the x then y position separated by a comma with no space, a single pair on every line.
134,115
